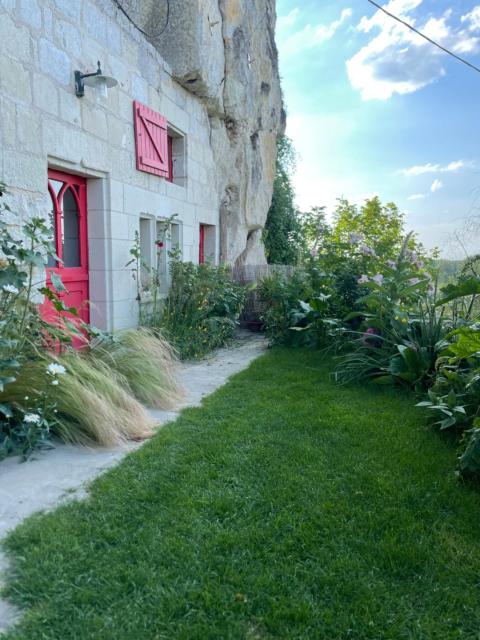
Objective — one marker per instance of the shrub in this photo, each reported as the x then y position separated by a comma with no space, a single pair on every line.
202,309
281,294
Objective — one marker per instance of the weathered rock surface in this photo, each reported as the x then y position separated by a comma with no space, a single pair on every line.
224,52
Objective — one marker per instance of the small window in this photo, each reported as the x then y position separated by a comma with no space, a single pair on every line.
162,247
207,244
176,237
176,158
146,252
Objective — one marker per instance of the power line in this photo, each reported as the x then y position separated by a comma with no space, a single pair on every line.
425,37
150,36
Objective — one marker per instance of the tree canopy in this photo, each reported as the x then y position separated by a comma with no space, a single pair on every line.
282,234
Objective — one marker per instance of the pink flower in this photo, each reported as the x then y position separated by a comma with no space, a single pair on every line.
391,264
363,279
378,279
314,253
413,281
369,338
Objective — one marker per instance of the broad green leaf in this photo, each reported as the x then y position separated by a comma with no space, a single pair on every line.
461,289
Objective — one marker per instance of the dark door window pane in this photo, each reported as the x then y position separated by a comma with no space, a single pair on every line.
70,231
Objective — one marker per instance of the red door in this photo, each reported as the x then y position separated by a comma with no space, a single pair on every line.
68,194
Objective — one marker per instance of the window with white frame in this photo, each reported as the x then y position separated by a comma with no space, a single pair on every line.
162,248
147,262
177,169
176,237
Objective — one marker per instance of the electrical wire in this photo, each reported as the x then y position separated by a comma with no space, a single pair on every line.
412,28
150,36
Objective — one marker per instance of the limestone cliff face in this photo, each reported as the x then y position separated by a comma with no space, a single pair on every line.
224,52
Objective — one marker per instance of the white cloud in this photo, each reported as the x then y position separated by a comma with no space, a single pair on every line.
396,60
292,42
288,21
473,19
421,169
416,196
436,185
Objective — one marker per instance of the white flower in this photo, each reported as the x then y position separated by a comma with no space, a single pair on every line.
363,279
55,369
54,383
32,418
9,288
378,279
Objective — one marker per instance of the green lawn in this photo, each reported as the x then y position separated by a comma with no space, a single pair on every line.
285,507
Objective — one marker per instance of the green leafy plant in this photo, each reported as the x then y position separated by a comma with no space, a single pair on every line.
202,309
469,459
281,297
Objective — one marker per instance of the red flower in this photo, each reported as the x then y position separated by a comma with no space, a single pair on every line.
159,244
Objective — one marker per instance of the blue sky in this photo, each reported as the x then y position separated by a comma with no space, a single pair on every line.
373,109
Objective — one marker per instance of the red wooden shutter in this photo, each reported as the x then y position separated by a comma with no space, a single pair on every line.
201,245
151,144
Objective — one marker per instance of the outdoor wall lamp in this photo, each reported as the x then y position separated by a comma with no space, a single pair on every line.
97,80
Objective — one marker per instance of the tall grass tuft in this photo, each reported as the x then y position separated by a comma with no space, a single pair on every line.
146,364
92,404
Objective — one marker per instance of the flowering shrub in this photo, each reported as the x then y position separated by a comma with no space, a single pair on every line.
25,423
401,330
202,309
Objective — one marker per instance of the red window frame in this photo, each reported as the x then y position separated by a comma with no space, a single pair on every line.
201,245
78,188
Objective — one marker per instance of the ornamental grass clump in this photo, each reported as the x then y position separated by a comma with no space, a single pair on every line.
146,364
91,404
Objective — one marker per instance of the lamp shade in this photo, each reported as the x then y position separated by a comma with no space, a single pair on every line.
101,84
